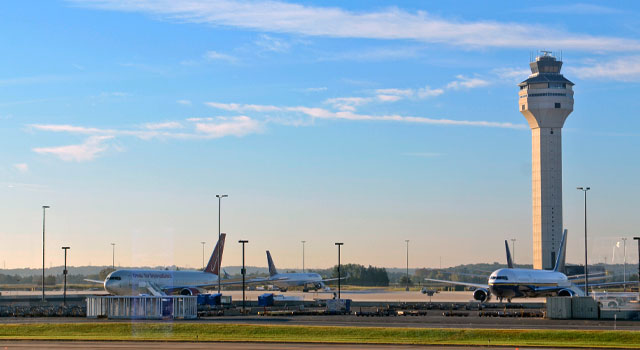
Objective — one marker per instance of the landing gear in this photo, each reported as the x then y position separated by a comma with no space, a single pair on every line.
305,290
283,290
509,300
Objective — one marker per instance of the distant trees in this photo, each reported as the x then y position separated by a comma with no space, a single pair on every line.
105,272
361,275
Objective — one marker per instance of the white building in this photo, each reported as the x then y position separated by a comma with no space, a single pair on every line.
546,100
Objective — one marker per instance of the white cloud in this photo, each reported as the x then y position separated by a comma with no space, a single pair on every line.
234,126
347,103
165,125
115,94
217,56
621,69
71,129
429,92
86,151
235,107
315,89
321,113
513,74
21,167
467,83
389,24
184,102
269,43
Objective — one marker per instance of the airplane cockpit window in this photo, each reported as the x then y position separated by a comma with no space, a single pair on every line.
115,278
501,278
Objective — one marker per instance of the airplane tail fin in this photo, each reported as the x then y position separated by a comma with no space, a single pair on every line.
562,252
272,266
509,259
216,258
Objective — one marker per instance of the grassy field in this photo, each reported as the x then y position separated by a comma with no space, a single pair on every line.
185,331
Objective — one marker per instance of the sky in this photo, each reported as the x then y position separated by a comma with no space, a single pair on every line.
366,122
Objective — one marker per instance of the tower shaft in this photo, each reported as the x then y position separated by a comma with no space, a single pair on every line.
546,146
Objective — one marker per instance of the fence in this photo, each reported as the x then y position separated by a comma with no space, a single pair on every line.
142,307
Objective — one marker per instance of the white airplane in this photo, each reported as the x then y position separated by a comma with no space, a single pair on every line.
529,283
161,282
524,283
285,280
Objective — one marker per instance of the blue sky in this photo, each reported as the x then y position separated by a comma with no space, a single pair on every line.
365,122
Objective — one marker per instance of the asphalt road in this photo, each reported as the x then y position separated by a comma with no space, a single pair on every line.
28,345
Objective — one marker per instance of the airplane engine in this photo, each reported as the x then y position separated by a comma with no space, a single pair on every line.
566,293
317,286
189,291
482,295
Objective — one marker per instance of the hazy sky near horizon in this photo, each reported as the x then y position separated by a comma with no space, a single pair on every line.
362,122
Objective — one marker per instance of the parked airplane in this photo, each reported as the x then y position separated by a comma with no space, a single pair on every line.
529,283
285,280
524,283
160,282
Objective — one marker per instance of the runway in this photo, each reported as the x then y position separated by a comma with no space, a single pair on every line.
37,345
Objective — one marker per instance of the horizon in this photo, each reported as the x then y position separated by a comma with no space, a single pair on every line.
368,124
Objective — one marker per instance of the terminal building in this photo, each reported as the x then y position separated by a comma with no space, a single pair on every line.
546,100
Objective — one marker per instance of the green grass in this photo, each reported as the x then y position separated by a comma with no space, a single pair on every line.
187,331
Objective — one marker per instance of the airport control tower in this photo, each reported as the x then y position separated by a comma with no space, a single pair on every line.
546,100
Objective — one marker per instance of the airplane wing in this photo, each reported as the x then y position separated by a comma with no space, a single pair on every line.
94,281
466,284
612,284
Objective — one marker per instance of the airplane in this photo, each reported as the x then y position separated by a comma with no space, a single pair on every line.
285,280
161,282
510,282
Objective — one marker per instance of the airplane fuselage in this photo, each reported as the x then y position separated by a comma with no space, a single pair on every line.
519,283
286,280
135,282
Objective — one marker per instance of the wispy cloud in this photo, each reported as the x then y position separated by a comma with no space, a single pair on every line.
184,102
22,167
621,69
347,103
389,24
346,114
273,44
315,89
88,150
165,125
463,82
235,107
573,9
236,126
217,56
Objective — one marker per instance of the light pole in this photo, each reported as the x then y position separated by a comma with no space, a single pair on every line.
64,272
624,264
203,243
113,256
219,196
638,239
44,208
586,269
244,272
407,289
513,251
339,244
303,242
